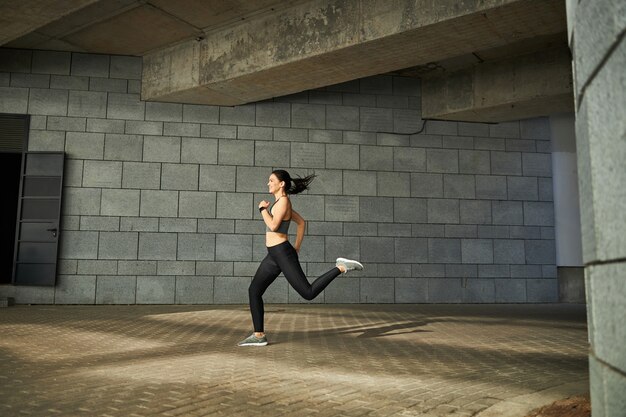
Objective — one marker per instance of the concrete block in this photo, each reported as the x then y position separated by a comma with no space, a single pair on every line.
164,112
410,210
427,230
409,159
394,184
90,65
349,229
375,119
30,80
13,100
199,151
44,101
396,230
325,136
63,82
137,267
342,208
473,129
238,115
407,121
426,185
537,164
156,290
506,163
128,67
134,86
540,252
233,247
475,211
81,201
255,133
64,267
480,291
308,155
108,85
460,230
428,271
38,122
45,140
181,129
474,162
157,246
313,249
324,228
538,214
375,209
73,173
377,290
217,178
234,205
70,222
102,174
311,207
525,271
520,145
15,60
158,203
216,226
459,186
522,188
547,233
116,289
179,177
437,127
342,156
509,251
273,114
197,204
345,290
542,291
442,160
218,132
510,290
443,211
75,289
236,152
161,149
507,212
490,144
493,271
411,250
283,134
214,268
117,245
394,270
96,267
87,104
328,182
458,142
123,147
505,130
445,290
378,84
138,127
360,138
178,225
78,245
31,295
51,62
525,232
493,232
231,290
444,250
349,247
361,100
194,290
477,251
76,124
81,145
342,117
545,189
324,97
407,86
411,290
550,271
543,146
141,175
426,141
537,128
196,246
200,114
125,106
110,224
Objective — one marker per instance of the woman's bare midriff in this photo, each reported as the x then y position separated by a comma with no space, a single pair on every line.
273,238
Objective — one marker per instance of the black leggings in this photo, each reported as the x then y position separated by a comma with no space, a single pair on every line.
283,258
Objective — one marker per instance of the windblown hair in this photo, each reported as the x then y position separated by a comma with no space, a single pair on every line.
293,185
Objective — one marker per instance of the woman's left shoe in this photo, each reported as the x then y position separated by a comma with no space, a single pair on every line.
349,264
252,340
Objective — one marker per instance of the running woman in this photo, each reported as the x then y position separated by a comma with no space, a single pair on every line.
281,255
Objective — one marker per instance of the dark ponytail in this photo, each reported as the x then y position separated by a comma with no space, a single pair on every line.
293,185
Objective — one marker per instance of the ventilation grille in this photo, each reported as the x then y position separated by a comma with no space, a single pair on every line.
13,131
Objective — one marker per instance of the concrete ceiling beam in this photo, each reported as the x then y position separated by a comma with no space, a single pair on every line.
321,43
532,85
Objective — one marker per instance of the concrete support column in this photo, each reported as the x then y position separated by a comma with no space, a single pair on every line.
597,32
569,258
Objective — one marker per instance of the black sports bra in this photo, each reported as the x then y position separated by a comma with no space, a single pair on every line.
284,225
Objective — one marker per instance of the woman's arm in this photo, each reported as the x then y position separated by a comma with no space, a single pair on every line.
278,214
297,218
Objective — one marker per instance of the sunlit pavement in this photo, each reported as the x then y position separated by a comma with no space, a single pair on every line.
323,360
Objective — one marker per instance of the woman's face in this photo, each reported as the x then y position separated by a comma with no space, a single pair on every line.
274,185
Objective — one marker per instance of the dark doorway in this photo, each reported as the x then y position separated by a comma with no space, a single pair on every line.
10,168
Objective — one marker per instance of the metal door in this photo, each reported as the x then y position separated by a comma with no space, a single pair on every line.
38,217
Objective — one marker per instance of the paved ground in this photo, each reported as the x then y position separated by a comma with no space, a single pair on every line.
374,360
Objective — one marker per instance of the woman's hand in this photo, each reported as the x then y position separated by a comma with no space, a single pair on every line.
264,204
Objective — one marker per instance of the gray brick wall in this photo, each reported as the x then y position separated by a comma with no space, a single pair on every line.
159,198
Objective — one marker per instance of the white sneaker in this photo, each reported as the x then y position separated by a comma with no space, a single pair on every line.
349,264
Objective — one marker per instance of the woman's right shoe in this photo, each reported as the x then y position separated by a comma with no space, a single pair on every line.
252,340
349,264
